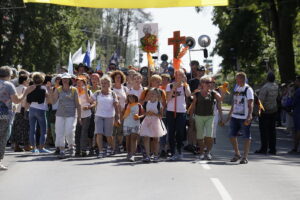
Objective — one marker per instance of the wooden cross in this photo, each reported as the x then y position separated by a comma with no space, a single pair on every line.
176,41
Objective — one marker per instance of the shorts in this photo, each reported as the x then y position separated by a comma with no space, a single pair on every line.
104,126
204,126
297,122
237,128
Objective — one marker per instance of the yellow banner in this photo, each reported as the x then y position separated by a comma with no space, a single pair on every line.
133,3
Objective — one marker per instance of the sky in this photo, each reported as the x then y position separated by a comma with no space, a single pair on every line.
189,23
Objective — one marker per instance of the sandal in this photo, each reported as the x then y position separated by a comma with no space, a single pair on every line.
244,161
235,158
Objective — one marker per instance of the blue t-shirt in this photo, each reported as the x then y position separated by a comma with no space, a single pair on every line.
297,102
6,90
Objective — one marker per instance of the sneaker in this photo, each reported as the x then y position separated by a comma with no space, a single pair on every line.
100,155
235,158
173,158
43,150
146,159
2,167
72,152
35,151
132,159
108,151
155,159
62,155
56,152
244,161
201,157
208,156
121,148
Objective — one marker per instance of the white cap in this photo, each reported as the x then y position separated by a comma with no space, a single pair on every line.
66,75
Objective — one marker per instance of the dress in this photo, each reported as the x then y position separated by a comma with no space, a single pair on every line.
131,125
152,126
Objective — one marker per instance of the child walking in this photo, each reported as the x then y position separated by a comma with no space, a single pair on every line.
131,125
152,127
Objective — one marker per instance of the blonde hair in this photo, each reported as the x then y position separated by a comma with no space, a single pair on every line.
155,77
106,78
205,79
241,75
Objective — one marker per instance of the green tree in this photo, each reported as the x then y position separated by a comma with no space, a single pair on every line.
253,32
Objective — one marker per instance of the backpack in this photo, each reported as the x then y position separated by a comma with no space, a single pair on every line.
257,108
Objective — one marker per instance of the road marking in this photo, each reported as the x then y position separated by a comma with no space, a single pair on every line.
221,189
204,164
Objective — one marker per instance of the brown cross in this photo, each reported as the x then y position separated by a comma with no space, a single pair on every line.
176,41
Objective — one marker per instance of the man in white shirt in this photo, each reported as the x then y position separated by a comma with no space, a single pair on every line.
240,117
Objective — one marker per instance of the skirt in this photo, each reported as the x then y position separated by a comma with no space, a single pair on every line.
152,126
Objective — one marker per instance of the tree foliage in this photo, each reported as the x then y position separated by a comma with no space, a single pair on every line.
40,36
256,36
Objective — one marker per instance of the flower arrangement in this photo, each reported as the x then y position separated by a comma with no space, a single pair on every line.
149,43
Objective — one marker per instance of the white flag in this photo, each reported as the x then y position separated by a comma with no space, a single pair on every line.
78,56
70,65
93,52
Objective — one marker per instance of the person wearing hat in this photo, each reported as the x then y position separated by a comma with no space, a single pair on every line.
53,107
81,69
112,67
68,104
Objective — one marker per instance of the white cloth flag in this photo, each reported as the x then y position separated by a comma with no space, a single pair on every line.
93,52
70,65
78,56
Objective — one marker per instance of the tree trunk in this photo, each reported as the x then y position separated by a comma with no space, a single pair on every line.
283,18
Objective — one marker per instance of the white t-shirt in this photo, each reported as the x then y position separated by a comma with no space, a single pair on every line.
180,100
20,90
136,92
42,106
240,101
84,102
105,104
122,95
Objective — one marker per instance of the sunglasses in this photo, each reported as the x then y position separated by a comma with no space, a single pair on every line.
208,82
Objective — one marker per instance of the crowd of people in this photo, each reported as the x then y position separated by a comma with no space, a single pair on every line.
96,114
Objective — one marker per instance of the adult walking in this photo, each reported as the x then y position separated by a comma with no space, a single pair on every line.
177,93
203,108
107,111
8,95
267,121
65,122
38,99
240,117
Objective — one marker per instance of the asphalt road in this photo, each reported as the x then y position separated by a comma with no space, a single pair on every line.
265,177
